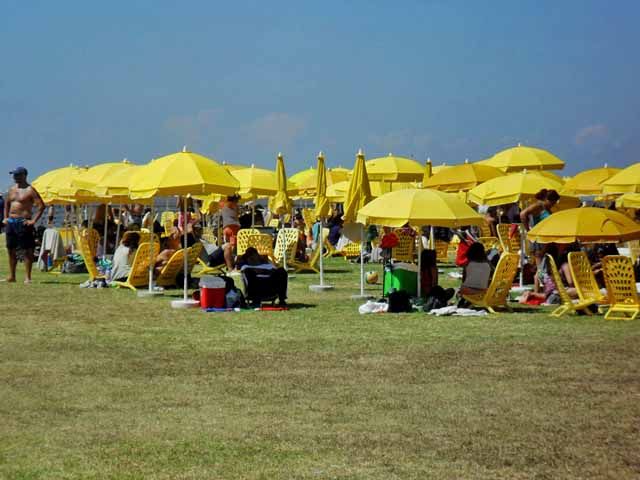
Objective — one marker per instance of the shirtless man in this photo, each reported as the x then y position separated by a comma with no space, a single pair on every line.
19,223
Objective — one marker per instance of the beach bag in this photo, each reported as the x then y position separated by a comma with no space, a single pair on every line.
74,264
399,302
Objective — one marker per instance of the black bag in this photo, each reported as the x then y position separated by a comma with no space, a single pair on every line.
233,296
438,298
399,302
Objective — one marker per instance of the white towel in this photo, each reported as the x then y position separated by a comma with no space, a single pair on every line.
452,310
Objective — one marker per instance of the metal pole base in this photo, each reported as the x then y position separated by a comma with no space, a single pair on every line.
147,293
185,303
320,288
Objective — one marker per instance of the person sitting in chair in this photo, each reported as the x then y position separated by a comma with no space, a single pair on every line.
123,257
263,281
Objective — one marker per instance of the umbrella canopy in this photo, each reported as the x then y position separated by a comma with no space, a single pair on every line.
589,182
587,225
511,188
628,200
395,169
519,158
338,191
419,207
181,173
462,177
50,184
322,203
304,183
281,203
625,181
116,186
85,185
359,191
233,168
256,182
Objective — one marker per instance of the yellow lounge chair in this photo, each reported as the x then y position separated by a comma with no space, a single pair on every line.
490,242
243,239
498,291
584,279
509,244
442,251
403,252
350,250
567,302
621,288
311,265
139,274
286,241
168,274
85,239
262,242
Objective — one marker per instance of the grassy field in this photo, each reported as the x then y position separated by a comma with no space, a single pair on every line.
101,384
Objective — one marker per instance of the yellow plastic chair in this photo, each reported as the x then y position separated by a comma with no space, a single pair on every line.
67,237
193,255
85,239
166,220
584,279
210,238
350,250
308,215
485,230
274,223
243,239
502,281
509,244
621,288
139,274
262,242
567,302
442,251
490,242
311,265
286,241
144,236
403,252
168,274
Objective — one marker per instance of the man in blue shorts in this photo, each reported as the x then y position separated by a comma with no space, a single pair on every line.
19,223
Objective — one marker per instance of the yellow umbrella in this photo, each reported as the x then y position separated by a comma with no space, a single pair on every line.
322,204
628,200
116,185
587,225
304,182
233,168
338,191
395,169
419,207
256,182
84,186
462,177
281,203
50,184
625,181
519,158
511,188
359,191
181,173
589,182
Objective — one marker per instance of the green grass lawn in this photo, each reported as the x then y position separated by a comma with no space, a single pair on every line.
101,384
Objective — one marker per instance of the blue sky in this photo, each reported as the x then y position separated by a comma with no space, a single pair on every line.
89,82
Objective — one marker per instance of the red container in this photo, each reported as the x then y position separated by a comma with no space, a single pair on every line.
212,297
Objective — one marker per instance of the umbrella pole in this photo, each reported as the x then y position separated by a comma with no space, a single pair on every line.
184,249
104,242
151,245
432,240
322,287
522,244
253,214
420,262
362,260
118,225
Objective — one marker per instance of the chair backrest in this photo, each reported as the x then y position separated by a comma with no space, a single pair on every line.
93,239
509,244
502,280
620,280
262,242
166,220
485,230
169,272
67,236
274,223
84,243
243,239
442,251
557,280
286,241
308,217
583,277
210,238
490,242
351,250
139,274
193,253
403,252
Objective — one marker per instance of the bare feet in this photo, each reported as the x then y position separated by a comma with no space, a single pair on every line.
27,281
8,280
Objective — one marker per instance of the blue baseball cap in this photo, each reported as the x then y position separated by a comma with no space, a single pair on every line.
19,171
